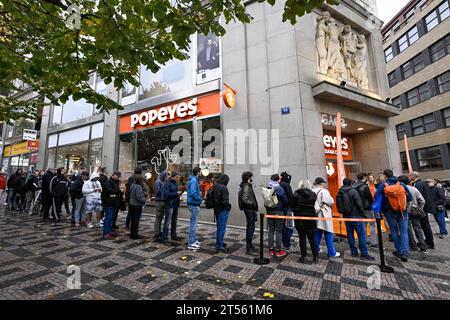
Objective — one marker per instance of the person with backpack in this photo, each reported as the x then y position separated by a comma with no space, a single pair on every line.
194,200
170,195
303,205
350,205
137,200
247,203
30,188
438,195
159,205
79,199
430,207
59,188
111,204
222,208
276,203
128,184
92,190
285,183
396,199
364,191
325,228
415,209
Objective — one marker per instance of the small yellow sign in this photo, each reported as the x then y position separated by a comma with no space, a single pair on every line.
7,151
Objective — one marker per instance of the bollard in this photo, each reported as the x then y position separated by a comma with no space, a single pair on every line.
383,267
261,260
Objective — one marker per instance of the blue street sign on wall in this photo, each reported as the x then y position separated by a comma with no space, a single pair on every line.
285,110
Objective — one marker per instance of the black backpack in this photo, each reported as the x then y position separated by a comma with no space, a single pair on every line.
366,203
209,201
343,202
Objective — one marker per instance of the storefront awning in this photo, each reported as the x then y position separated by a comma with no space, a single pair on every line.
351,98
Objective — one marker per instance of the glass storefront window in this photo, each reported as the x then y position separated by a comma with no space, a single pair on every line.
51,158
70,157
21,124
97,130
95,155
126,155
74,136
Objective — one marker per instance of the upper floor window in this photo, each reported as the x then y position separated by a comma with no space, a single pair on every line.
438,50
423,124
388,54
401,131
393,79
404,161
409,15
446,117
408,39
397,102
430,158
418,94
444,82
412,66
438,15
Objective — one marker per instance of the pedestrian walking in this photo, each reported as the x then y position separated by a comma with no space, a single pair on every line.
59,189
325,228
249,205
11,184
31,185
47,202
303,205
194,200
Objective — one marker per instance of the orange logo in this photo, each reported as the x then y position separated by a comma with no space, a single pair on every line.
229,96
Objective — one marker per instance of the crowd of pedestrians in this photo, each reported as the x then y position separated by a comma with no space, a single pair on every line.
96,199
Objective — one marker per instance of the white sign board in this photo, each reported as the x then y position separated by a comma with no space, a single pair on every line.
29,134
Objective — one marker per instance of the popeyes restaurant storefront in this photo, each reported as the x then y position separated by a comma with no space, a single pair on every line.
174,136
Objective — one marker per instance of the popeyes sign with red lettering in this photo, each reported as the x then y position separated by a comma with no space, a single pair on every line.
177,111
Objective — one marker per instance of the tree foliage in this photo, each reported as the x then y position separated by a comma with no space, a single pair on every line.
54,45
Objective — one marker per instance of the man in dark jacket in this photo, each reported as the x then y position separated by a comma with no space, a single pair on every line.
128,184
78,198
59,188
248,204
46,194
20,192
438,195
31,185
111,203
159,204
361,186
11,184
285,183
424,190
171,201
194,200
356,210
222,209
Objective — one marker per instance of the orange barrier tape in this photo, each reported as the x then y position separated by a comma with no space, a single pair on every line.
321,219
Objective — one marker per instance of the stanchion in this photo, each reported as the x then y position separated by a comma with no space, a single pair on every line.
383,267
261,260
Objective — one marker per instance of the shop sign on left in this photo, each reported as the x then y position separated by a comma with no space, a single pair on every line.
29,134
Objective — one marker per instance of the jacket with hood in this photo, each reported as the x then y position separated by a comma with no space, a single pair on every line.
302,205
159,186
283,202
112,194
89,186
391,181
103,180
424,189
247,198
221,195
170,194
46,179
12,181
286,185
31,183
20,185
366,195
194,197
59,186
356,201
137,195
417,198
438,195
76,187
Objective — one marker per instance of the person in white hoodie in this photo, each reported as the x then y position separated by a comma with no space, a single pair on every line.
92,189
323,206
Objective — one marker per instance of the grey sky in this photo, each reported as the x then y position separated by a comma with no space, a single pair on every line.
387,9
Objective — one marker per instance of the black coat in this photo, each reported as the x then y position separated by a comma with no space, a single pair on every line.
438,195
424,189
247,198
221,195
113,194
103,179
356,201
302,205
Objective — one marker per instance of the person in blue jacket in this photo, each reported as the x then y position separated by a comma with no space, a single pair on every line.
170,196
398,222
194,199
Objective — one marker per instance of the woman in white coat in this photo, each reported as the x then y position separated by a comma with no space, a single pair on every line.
323,208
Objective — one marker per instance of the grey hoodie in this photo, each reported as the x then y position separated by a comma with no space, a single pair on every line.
159,186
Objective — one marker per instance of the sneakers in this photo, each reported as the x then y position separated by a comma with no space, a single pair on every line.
251,252
77,225
367,258
402,257
443,236
280,254
337,255
194,246
90,225
223,250
271,252
446,219
423,250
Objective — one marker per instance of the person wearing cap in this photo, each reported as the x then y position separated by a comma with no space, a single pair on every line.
170,196
111,204
323,206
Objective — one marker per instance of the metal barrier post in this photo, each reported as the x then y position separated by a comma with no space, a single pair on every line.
383,267
261,260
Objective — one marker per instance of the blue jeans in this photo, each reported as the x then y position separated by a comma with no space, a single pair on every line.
399,231
221,220
329,239
11,197
360,229
167,221
287,235
107,223
440,219
195,211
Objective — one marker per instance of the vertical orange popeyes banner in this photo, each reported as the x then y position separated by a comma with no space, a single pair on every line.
339,159
408,159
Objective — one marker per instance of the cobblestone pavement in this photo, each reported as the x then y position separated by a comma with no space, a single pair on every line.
34,258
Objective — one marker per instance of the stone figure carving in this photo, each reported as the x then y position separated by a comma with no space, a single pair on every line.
341,53
335,60
322,41
360,62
